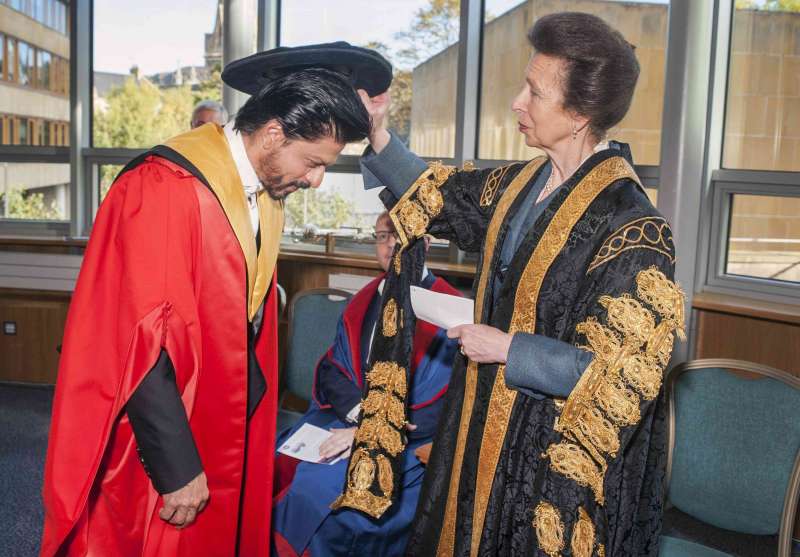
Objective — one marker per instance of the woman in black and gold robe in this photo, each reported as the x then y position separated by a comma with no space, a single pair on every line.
552,440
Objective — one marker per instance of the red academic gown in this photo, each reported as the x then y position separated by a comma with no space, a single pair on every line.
168,266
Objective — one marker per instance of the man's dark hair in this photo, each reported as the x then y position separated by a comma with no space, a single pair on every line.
309,104
602,69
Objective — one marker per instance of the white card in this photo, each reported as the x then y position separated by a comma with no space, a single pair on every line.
443,310
304,443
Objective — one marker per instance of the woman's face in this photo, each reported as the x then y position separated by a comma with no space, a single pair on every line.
539,105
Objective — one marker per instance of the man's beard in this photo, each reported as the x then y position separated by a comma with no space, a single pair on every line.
279,190
274,183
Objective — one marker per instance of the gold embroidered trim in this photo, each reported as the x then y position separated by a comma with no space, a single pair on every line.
492,185
570,460
603,342
420,203
651,233
549,529
630,318
447,538
385,476
431,198
582,541
360,476
381,430
398,262
601,550
413,219
523,319
629,356
390,376
618,402
390,318
644,374
376,433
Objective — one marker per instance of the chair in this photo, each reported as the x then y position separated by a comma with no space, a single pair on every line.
733,461
313,315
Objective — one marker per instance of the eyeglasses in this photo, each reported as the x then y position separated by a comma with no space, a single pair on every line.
383,236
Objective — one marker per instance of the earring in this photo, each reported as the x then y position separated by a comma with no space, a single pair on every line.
574,133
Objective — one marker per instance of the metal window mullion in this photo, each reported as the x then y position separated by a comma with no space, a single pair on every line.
80,69
468,86
269,13
710,237
468,80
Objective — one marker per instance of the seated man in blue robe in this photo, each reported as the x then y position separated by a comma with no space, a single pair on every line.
303,523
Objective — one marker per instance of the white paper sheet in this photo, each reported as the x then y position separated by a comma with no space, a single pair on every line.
304,444
443,310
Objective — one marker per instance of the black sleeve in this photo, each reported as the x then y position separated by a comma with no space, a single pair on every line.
338,390
165,443
455,205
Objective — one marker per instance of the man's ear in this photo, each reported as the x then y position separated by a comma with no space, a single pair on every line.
271,135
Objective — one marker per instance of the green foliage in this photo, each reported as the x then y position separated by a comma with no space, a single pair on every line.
319,208
139,114
434,28
31,206
211,89
770,5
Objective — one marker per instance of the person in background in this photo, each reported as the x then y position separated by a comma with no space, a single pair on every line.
209,111
303,523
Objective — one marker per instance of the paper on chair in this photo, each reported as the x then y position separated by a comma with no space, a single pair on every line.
443,310
304,443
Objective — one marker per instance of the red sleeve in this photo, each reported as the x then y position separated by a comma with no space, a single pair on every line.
135,295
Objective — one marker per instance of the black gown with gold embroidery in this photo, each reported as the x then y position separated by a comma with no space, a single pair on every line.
512,474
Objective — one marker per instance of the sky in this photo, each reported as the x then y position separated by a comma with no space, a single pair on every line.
160,36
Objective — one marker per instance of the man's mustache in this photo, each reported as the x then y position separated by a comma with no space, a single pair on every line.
281,191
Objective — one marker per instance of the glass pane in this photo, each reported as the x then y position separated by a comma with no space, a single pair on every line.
43,69
506,52
37,65
764,238
34,191
340,206
105,177
25,63
420,39
149,72
762,116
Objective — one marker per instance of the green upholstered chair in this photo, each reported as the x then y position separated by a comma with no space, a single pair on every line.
313,315
733,460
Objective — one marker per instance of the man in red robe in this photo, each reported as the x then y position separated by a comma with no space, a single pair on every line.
163,425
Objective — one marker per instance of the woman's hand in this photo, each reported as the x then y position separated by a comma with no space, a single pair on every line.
481,343
336,444
378,110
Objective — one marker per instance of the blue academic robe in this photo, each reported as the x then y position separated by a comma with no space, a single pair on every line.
303,523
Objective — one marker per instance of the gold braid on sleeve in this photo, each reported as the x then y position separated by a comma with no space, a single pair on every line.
422,202
630,353
370,480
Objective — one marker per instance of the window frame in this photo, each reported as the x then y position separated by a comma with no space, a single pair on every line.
85,159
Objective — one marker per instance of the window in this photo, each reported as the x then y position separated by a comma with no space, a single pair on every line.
419,39
764,237
11,57
26,69
43,69
34,191
762,120
142,96
506,52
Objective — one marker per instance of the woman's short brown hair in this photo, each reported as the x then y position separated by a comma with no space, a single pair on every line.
601,67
